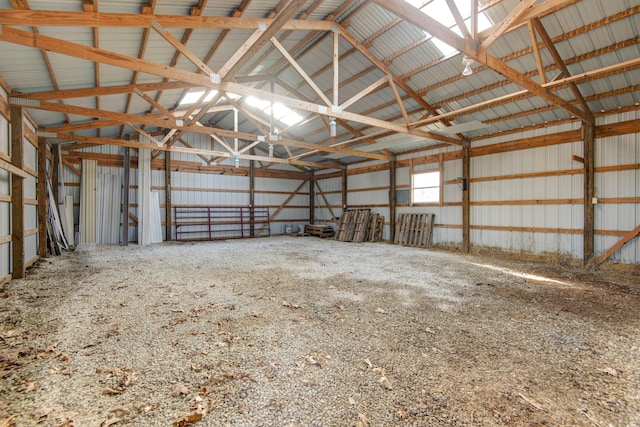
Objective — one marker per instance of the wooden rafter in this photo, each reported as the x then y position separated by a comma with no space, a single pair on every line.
184,50
163,123
194,11
536,52
426,23
92,6
300,71
459,19
276,25
121,20
364,92
538,11
498,30
134,144
24,5
560,63
146,9
24,38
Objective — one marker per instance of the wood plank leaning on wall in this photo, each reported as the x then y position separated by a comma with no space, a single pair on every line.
17,193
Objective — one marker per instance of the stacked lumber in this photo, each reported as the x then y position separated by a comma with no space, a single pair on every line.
414,230
360,225
322,231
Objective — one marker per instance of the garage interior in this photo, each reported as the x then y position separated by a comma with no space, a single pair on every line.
319,212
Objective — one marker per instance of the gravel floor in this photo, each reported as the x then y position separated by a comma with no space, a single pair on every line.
287,331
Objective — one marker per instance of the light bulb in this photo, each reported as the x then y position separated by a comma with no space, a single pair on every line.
332,125
270,150
466,61
236,157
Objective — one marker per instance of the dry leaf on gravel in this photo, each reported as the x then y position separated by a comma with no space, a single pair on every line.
362,421
148,407
27,386
41,412
609,371
8,422
187,419
380,310
310,360
119,411
179,390
68,423
384,381
109,422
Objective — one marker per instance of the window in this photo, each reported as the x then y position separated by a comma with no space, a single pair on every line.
425,187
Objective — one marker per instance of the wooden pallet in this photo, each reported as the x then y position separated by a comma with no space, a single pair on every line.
376,226
322,231
414,230
360,225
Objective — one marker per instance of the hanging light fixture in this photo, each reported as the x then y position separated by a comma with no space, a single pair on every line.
236,157
332,125
466,61
270,150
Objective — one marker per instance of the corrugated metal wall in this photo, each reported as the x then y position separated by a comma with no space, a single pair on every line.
5,206
370,190
30,196
622,213
540,214
331,188
193,188
513,203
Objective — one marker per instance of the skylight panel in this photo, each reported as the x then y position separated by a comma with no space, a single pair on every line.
439,10
281,112
192,97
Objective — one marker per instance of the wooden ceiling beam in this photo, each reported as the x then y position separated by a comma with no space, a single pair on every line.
23,5
195,151
424,22
538,11
184,50
128,119
561,64
591,75
300,71
46,18
498,30
101,91
459,19
536,52
24,38
280,21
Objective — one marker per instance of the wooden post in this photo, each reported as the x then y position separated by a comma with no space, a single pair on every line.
392,200
344,190
466,205
55,176
125,195
312,198
588,136
17,193
42,197
252,196
167,191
